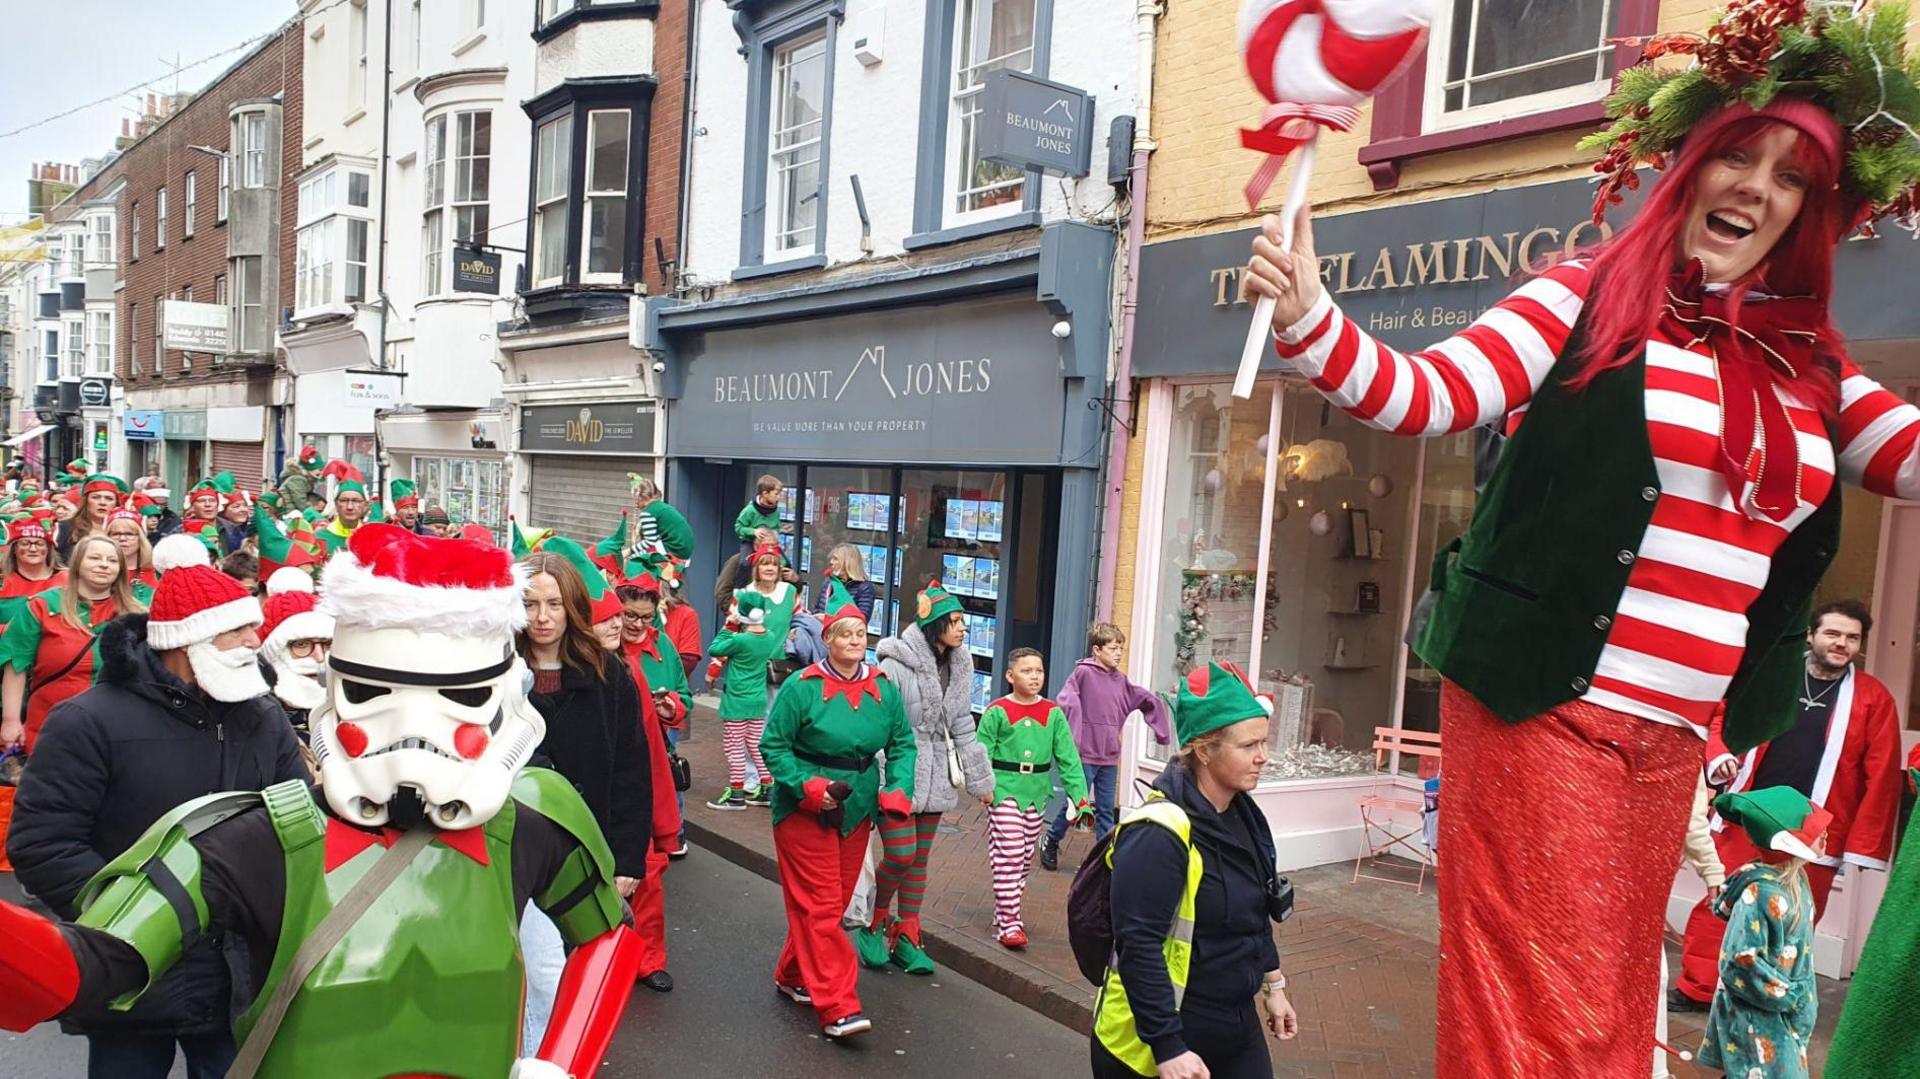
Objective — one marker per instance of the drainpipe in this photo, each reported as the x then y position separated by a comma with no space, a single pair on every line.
1145,15
386,132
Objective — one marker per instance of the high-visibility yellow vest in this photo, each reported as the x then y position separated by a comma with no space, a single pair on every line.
1112,1015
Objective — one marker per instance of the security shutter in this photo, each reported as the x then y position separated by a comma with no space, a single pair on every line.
580,497
246,460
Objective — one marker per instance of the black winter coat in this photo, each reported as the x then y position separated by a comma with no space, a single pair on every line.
1232,934
593,738
114,760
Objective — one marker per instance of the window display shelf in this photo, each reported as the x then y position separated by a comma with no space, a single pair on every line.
1351,612
1349,666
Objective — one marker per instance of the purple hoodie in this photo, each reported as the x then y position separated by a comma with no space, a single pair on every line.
1097,702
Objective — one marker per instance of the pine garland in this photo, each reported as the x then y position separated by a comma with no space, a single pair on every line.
1851,62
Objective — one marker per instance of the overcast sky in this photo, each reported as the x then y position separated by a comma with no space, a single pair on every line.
65,53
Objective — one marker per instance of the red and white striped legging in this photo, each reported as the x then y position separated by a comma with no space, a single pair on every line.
741,739
1012,833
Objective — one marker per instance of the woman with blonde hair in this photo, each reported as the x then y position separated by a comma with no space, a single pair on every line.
128,532
49,653
846,565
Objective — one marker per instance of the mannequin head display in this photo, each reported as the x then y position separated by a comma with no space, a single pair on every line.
426,717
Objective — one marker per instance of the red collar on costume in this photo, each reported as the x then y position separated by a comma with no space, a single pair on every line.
1038,711
345,842
865,684
648,645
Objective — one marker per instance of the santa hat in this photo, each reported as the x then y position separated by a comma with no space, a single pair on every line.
602,602
197,603
475,532
289,579
1777,818
1213,697
293,616
159,494
404,493
350,478
180,550
26,528
389,578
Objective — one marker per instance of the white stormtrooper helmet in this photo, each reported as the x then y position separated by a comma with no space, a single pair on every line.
427,699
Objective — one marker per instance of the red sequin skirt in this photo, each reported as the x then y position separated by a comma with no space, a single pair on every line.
1559,838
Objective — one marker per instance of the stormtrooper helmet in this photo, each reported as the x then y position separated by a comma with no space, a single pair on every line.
426,709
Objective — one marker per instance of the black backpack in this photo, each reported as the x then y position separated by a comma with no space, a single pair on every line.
1090,904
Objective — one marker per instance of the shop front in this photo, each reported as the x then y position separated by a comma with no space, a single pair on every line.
335,409
943,432
184,435
577,456
1278,533
142,431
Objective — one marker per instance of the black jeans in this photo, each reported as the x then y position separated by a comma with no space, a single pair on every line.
1233,1047
150,1056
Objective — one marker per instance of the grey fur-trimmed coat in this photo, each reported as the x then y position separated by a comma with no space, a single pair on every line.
936,715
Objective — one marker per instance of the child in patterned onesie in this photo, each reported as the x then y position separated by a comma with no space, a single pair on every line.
1764,1008
1025,736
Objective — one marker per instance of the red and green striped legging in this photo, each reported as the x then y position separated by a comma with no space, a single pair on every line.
904,845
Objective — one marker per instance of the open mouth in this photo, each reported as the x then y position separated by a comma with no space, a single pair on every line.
411,743
1729,225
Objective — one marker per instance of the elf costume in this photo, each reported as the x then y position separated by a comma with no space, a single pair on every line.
824,735
428,980
1601,544
1764,1009
297,479
661,527
59,660
659,660
294,545
746,647
1026,740
205,498
15,590
142,578
336,533
1877,1035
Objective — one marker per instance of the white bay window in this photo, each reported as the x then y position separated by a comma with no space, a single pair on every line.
331,249
553,155
459,156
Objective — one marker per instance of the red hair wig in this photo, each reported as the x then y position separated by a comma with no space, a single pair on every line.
1629,293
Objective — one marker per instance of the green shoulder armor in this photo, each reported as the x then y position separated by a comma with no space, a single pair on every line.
581,898
150,896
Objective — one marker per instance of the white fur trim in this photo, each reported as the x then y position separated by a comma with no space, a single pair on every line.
204,625
289,579
314,624
178,550
354,596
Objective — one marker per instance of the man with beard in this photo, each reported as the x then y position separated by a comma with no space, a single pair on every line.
180,711
294,640
1843,752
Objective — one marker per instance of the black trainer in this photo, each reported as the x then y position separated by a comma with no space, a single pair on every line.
856,1023
1049,853
1680,1002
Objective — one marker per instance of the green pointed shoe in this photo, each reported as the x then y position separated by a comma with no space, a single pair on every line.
870,945
908,956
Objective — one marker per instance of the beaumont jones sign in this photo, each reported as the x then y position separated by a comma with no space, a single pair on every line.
962,382
1415,274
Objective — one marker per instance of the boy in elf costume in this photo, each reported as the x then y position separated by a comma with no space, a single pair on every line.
747,650
1026,736
660,527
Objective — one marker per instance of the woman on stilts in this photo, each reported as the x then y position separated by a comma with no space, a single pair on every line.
1651,538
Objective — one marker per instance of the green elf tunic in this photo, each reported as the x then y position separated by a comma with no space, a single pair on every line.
743,685
1764,1009
1877,1035
1025,742
824,728
16,590
59,661
667,525
753,518
334,536
660,662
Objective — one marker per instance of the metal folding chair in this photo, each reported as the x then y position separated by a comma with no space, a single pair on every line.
1391,818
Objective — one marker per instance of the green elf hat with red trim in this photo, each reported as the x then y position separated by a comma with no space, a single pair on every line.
350,477
220,486
524,543
603,602
101,481
609,553
277,547
837,603
1777,818
1213,697
76,470
376,512
309,458
934,604
404,493
661,566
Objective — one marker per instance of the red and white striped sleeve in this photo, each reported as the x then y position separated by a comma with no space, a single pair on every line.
1477,376
1879,437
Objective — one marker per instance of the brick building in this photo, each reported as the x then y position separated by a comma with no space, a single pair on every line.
206,217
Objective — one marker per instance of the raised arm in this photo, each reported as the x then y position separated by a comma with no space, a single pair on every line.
1481,374
1879,437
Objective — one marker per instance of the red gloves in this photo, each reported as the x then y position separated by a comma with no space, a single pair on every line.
38,977
814,790
895,804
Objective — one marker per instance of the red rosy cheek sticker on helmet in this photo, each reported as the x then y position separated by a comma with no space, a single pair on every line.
470,740
351,738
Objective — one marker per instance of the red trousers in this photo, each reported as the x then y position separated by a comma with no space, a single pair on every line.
818,870
1558,839
1700,949
649,903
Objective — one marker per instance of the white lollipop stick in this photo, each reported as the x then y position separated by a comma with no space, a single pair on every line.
1262,327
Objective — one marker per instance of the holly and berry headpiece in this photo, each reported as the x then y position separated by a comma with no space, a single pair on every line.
1777,818
934,604
1213,697
1848,60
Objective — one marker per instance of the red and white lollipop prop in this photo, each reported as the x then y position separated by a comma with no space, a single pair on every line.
1315,61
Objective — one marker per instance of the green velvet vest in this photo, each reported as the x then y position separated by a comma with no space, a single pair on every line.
1526,598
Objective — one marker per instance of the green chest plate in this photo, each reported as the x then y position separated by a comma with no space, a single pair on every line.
429,981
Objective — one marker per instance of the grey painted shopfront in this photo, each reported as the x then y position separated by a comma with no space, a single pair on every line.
931,419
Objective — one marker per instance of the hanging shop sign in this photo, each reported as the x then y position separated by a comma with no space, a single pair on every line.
617,427
140,425
476,271
94,392
1030,123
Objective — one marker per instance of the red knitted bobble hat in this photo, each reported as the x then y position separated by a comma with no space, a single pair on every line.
197,603
293,616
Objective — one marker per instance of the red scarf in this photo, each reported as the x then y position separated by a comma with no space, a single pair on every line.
1771,347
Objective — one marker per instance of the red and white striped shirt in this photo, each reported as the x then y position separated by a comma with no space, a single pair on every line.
1681,627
